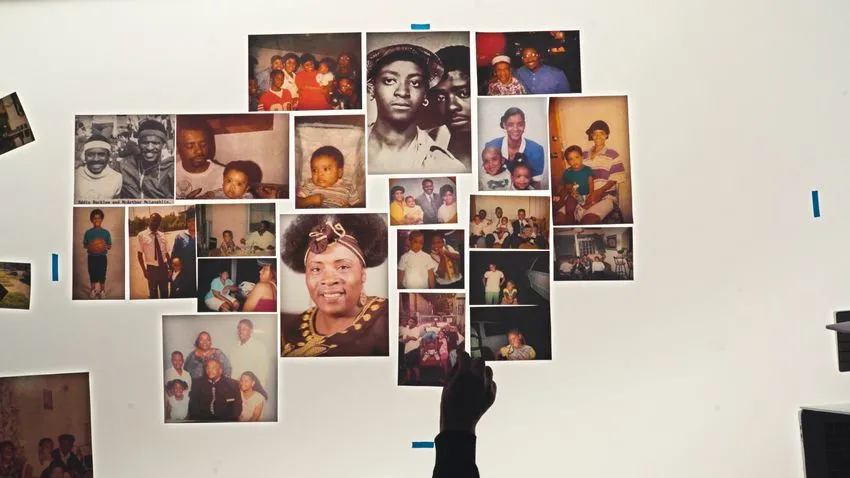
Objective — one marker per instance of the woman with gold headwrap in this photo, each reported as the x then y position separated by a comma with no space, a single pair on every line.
334,252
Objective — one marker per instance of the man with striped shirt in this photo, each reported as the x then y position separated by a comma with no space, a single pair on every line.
608,172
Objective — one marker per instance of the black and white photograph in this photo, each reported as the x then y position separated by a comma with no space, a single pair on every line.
15,130
219,368
237,285
235,230
528,63
233,156
510,333
304,72
508,222
430,259
124,159
509,278
419,105
594,254
429,200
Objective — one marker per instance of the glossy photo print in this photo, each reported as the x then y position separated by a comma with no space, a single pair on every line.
516,333
430,259
431,334
162,252
430,200
508,222
236,230
594,254
509,278
15,283
99,252
237,285
15,128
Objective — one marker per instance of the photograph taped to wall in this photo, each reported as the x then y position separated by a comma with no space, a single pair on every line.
99,252
46,423
420,108
583,254
15,283
237,285
591,160
330,161
528,63
304,72
430,259
431,200
508,222
335,288
512,144
233,156
162,251
220,368
124,159
431,334
510,333
236,230
509,278
15,128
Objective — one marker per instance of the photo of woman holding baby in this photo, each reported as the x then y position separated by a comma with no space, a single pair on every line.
431,200
234,285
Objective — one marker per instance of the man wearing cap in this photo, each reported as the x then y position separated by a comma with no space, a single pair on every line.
452,95
540,79
504,83
95,181
398,79
608,171
146,174
197,170
264,77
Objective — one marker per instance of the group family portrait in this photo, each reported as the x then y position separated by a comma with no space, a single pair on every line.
509,278
15,128
431,200
237,285
235,230
419,105
98,257
430,259
508,222
334,279
45,426
431,333
510,333
162,252
583,254
304,72
124,159
15,283
219,368
330,161
232,156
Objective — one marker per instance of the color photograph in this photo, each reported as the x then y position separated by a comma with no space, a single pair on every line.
98,258
510,333
162,252
430,200
593,254
334,277
15,282
15,128
219,368
430,259
431,333
237,285
235,230
508,222
509,278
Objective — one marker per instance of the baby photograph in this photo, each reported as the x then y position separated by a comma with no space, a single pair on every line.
583,254
508,222
15,281
234,230
98,257
431,333
15,128
219,368
334,285
162,251
510,333
237,285
232,156
430,259
431,200
419,105
330,161
124,159
509,278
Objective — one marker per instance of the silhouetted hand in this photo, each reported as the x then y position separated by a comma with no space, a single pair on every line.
468,393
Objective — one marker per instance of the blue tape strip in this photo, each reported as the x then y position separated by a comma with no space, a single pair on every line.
815,204
423,444
420,26
55,267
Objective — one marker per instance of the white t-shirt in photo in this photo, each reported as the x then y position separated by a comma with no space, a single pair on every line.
493,281
172,374
598,266
446,213
179,408
415,331
415,266
249,405
209,180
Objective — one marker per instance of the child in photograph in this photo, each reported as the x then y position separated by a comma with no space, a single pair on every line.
237,180
97,241
182,285
276,98
509,294
577,181
413,213
177,404
521,174
502,232
447,257
495,176
416,268
517,349
324,76
327,188
228,247
95,181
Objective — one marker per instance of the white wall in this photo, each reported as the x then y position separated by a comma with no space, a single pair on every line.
696,374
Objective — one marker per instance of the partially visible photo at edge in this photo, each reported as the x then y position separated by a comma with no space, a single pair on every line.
334,280
15,283
15,128
419,106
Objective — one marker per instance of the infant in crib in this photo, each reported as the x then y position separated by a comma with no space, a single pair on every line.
327,188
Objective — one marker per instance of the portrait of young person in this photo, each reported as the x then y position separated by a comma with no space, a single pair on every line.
431,333
419,106
510,333
334,294
219,368
591,161
509,278
330,161
601,253
228,230
430,200
304,72
430,259
512,141
237,285
232,156
528,63
124,159
162,252
508,222
45,426
15,128
99,249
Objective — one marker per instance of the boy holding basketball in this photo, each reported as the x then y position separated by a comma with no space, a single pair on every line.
97,242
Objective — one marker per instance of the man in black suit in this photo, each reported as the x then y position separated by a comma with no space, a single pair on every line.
182,284
215,398
429,202
65,456
520,223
